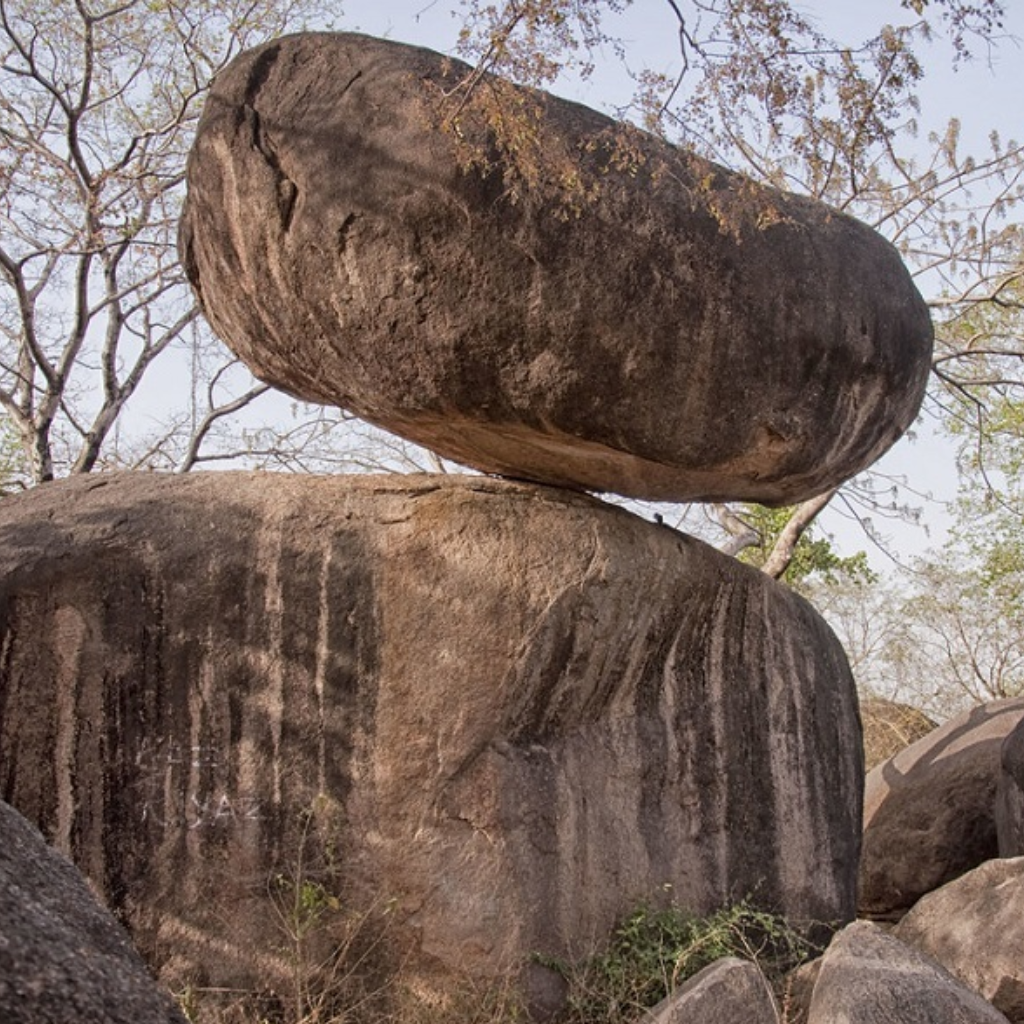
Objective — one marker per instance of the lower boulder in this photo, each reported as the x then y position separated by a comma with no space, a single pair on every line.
487,718
974,927
929,812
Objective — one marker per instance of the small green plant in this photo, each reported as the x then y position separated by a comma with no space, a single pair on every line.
331,950
655,950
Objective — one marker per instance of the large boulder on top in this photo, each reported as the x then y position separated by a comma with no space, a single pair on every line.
679,332
63,957
929,812
504,713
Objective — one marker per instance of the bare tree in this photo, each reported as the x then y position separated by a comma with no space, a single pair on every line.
98,103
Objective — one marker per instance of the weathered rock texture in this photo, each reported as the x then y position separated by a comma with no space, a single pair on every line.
929,812
974,927
726,991
685,334
63,957
869,977
1010,795
516,711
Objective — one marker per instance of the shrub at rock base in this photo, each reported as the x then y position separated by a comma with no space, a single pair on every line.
653,952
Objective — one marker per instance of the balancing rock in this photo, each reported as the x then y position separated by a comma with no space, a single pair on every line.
505,713
661,327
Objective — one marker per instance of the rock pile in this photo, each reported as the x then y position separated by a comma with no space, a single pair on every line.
956,952
942,791
937,818
506,712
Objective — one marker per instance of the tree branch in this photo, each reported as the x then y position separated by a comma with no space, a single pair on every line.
782,553
741,534
192,455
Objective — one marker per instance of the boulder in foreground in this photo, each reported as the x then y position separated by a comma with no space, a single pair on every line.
869,977
728,990
63,957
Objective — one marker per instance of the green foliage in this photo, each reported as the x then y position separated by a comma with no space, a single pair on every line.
814,558
653,951
302,905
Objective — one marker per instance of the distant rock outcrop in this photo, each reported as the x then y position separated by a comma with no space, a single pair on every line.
974,927
511,710
889,727
685,334
63,957
929,812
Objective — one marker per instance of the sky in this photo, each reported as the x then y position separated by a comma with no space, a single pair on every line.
984,94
